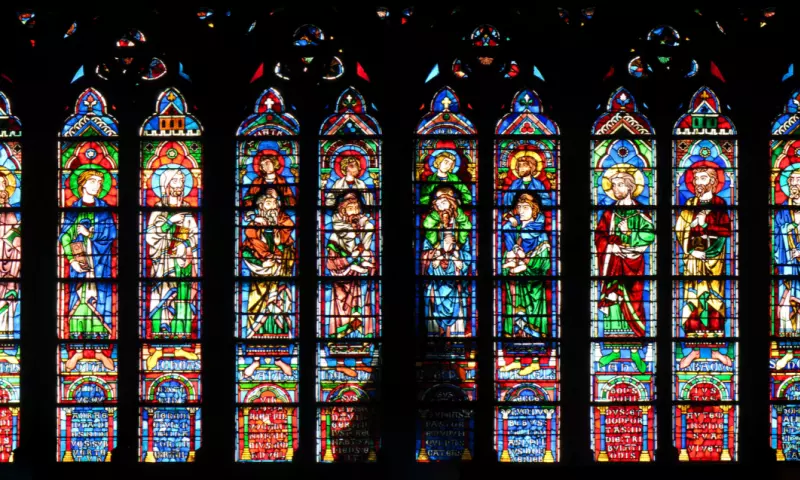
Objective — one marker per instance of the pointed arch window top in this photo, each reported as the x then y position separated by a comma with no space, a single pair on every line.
485,36
788,122
10,125
704,117
171,117
351,117
91,118
270,118
445,117
622,117
526,117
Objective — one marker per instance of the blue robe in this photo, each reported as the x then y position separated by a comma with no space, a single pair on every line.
534,186
446,299
105,233
787,237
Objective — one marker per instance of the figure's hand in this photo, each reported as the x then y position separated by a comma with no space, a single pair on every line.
358,269
177,218
260,221
700,255
513,221
623,226
84,231
614,249
701,218
448,243
458,264
76,265
795,253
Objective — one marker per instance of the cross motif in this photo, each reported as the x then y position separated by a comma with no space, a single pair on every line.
349,98
446,103
269,103
171,97
704,95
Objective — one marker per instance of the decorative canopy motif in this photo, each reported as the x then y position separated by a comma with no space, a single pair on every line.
270,118
445,117
171,117
622,116
526,117
91,118
704,117
351,117
9,124
788,122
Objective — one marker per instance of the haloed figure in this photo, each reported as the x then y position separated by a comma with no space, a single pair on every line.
623,235
269,179
351,168
10,255
172,240
786,254
702,231
86,238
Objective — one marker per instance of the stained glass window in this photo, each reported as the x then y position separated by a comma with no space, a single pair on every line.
705,282
785,287
349,311
527,292
623,330
445,203
266,291
88,258
10,269
170,259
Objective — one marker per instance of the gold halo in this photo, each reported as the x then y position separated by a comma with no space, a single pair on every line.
512,163
638,178
11,181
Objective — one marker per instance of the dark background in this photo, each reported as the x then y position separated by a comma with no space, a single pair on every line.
575,61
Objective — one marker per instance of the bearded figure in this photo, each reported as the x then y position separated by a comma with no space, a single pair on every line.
622,236
786,255
702,230
349,255
446,252
10,256
172,238
269,251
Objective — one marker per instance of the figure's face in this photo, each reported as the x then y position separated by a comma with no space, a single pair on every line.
524,168
525,211
176,181
794,185
93,185
446,165
270,204
441,204
267,167
702,179
352,169
352,208
620,188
